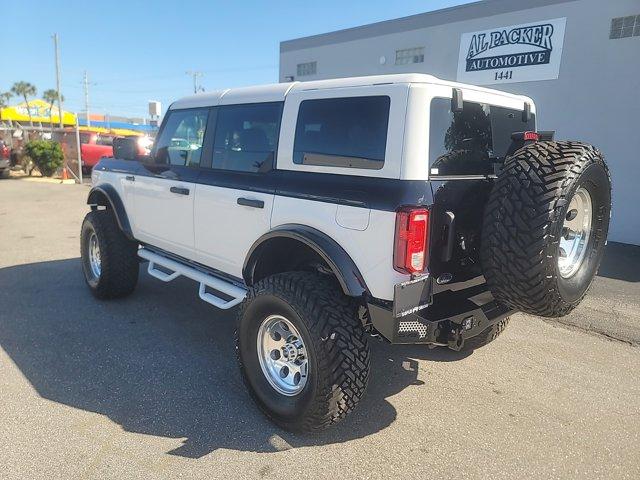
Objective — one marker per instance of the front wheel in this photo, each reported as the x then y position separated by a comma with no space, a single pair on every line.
302,350
109,258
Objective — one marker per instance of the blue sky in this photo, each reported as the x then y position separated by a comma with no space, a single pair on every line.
138,51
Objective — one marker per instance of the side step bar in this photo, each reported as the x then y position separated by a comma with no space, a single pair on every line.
177,269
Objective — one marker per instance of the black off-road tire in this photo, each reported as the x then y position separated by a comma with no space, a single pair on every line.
523,225
5,173
336,343
118,256
485,337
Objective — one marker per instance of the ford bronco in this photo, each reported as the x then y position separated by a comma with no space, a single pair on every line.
402,206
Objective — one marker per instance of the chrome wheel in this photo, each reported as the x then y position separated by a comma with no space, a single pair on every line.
282,355
94,255
576,231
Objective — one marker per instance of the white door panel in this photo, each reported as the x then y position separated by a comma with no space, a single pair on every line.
224,230
370,248
163,218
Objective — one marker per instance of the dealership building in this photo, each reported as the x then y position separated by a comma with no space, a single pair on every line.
579,60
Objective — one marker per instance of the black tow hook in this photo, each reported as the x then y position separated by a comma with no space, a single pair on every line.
456,337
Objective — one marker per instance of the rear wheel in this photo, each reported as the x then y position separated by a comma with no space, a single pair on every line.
109,258
545,227
5,173
302,350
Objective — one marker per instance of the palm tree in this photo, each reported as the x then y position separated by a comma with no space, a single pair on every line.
24,90
4,101
50,96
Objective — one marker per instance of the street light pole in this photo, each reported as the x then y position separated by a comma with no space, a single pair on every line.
57,53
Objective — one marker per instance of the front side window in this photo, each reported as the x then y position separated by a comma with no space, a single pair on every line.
180,142
246,137
470,141
342,132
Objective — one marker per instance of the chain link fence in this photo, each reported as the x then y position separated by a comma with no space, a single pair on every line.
16,136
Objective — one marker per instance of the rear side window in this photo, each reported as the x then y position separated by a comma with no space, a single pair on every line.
246,137
468,142
180,142
342,132
104,140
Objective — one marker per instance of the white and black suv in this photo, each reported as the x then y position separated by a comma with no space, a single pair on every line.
420,210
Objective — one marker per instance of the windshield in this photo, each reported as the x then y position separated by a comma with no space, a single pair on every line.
467,142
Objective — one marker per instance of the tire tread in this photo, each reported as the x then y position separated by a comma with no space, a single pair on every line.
340,343
524,209
119,260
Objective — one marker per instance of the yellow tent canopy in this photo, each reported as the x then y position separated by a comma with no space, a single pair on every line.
41,112
119,132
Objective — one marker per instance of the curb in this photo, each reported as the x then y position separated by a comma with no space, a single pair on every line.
44,180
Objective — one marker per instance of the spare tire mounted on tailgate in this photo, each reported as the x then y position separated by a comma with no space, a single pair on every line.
545,226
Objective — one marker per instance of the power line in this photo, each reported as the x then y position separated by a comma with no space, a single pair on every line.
86,97
145,78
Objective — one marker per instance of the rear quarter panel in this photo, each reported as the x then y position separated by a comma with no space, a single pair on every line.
371,249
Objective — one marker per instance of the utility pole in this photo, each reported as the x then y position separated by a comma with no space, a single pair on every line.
57,52
86,97
196,88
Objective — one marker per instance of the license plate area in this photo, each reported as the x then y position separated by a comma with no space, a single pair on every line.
411,296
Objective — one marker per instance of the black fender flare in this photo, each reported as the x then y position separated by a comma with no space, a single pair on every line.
341,264
115,202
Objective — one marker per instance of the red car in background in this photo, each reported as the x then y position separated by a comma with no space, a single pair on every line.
5,163
94,146
5,152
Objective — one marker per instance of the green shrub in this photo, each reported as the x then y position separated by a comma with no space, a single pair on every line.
47,155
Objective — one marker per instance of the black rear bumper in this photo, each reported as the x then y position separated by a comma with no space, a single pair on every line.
450,318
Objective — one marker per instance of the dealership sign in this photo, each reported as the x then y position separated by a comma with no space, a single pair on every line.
517,53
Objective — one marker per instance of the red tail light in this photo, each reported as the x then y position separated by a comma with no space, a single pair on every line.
411,243
531,136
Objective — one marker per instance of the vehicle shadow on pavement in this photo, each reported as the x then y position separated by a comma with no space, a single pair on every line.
162,362
621,261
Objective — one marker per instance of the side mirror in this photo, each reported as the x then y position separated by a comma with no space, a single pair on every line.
125,148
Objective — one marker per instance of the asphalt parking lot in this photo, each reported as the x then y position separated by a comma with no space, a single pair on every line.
147,387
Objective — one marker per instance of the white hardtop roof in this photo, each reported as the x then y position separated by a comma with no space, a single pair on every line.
276,92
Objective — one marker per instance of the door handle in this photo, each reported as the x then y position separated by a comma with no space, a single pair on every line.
247,202
130,178
179,190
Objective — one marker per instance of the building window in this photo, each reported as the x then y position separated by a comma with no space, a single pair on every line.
410,55
623,27
308,68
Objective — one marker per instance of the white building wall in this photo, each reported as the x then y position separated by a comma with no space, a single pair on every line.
596,97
